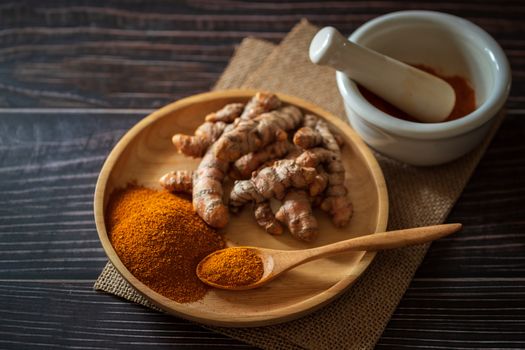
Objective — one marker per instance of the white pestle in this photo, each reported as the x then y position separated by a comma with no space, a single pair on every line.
420,94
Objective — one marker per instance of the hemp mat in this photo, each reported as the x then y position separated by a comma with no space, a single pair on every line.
418,197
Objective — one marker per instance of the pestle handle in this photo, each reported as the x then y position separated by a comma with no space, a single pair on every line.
420,94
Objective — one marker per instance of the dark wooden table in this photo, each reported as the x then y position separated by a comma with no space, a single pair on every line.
75,75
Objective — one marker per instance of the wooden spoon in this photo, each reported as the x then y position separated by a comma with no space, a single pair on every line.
420,94
276,262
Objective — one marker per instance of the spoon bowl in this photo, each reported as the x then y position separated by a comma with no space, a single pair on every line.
267,256
276,262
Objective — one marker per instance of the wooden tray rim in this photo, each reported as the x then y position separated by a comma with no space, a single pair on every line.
272,316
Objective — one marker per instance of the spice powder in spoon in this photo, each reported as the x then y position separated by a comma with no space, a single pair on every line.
232,267
161,240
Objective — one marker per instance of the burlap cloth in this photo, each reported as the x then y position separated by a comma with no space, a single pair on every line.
418,197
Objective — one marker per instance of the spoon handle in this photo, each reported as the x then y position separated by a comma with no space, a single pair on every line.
384,240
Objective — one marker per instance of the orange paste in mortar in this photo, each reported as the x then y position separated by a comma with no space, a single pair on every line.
465,97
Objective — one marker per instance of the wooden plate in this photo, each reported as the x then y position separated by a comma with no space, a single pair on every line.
145,153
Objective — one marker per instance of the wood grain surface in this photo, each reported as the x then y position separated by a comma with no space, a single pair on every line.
75,75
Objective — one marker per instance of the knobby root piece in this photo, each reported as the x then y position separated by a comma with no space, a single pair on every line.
259,134
178,181
209,204
294,152
207,190
207,133
336,202
296,213
227,114
244,191
340,208
195,146
316,156
310,120
272,182
317,201
307,137
247,164
266,219
250,135
329,141
320,182
262,102
266,164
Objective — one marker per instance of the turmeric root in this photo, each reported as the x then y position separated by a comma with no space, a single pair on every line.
310,120
207,190
320,182
206,134
317,201
266,219
244,191
296,213
250,135
307,137
262,102
318,155
336,202
208,178
227,114
340,208
272,182
294,152
329,141
244,166
178,181
255,138
195,146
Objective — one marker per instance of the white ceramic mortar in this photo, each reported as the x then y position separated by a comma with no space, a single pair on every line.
452,46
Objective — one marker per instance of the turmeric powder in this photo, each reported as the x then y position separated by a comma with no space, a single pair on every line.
232,267
161,240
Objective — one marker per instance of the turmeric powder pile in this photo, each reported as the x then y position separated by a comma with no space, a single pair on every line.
161,240
232,267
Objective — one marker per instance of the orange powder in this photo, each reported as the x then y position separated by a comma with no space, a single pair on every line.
465,97
233,267
160,240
